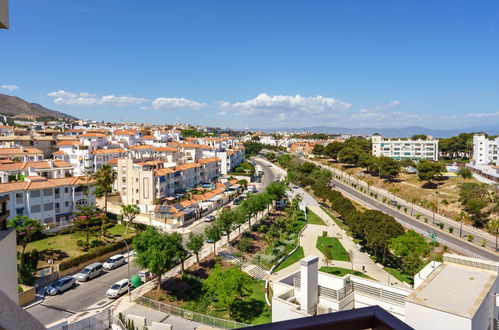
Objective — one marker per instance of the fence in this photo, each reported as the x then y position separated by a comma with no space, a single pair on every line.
190,315
99,321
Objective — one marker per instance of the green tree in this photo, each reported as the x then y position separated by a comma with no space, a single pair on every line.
224,221
213,233
332,149
411,263
318,150
157,252
465,172
26,230
195,244
409,242
129,212
419,137
427,169
104,179
387,167
228,286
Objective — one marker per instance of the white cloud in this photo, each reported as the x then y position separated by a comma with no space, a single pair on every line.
380,107
287,107
88,99
172,103
10,88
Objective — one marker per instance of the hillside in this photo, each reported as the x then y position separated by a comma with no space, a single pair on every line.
12,105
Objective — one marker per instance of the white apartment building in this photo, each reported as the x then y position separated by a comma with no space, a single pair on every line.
405,149
485,150
48,200
459,294
52,169
21,154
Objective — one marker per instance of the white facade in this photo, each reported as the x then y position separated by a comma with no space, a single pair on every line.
47,200
405,149
485,150
458,294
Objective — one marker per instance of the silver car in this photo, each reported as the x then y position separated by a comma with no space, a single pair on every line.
61,285
90,272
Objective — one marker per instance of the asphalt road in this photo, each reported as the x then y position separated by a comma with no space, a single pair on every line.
269,175
446,238
86,295
92,294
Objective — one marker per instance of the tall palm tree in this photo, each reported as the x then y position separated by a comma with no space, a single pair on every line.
104,179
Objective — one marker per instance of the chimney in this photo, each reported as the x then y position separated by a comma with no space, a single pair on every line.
309,268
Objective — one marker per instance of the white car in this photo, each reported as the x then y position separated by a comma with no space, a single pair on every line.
118,288
114,261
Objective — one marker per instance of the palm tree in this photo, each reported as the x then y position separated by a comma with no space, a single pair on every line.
130,212
104,179
413,200
494,228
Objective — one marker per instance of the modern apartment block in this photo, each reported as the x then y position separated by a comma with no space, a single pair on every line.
459,293
485,150
405,149
147,183
48,200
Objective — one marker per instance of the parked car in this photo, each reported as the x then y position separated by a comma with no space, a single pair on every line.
209,218
90,272
394,203
61,285
145,275
114,262
269,165
118,288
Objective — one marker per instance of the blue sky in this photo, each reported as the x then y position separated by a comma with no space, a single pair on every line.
258,63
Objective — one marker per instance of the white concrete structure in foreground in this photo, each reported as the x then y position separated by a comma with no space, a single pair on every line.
459,293
405,149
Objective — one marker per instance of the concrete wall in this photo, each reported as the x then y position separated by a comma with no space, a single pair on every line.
8,264
28,295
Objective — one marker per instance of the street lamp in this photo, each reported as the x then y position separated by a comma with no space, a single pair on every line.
128,266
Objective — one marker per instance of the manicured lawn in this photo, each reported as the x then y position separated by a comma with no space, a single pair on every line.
295,257
338,271
258,294
332,243
314,219
399,275
336,220
60,247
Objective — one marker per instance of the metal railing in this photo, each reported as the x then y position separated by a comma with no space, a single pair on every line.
190,315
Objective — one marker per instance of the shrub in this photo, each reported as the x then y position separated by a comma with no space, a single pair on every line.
376,195
268,258
93,253
80,243
470,237
451,230
399,206
445,202
384,199
96,242
441,225
19,289
483,243
405,209
324,233
418,216
426,219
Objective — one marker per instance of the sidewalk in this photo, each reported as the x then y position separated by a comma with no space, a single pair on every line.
308,241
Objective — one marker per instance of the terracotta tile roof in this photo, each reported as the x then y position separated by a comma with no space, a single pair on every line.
179,214
165,149
148,137
186,166
69,143
108,151
125,132
42,183
60,152
163,171
98,135
139,147
233,181
75,130
218,191
186,203
209,160
190,146
114,161
199,197
16,151
220,185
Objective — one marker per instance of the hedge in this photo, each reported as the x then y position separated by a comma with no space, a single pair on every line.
93,253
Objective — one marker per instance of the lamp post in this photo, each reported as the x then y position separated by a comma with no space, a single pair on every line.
128,266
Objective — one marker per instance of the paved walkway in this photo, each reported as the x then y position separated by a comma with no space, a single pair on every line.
308,241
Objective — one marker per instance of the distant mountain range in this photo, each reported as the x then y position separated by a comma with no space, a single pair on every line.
12,106
386,132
